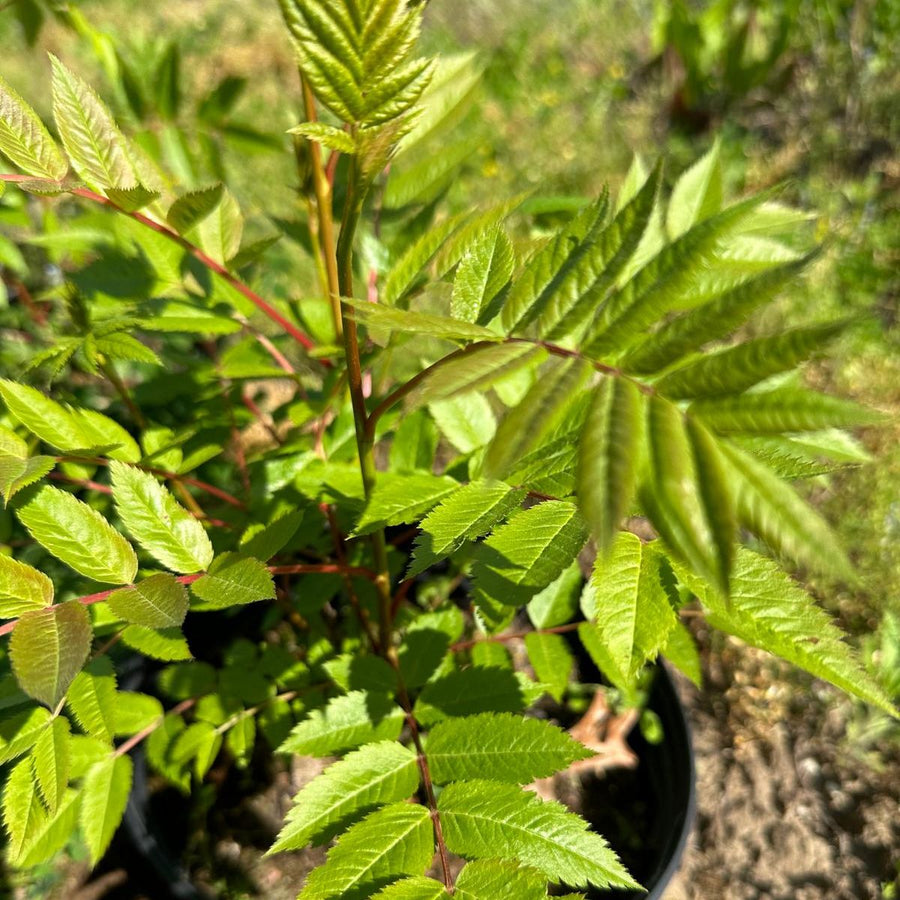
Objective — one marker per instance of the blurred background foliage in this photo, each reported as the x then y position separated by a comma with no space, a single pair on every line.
800,92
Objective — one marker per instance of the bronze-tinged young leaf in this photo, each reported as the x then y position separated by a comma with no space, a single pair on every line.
24,138
159,601
47,649
394,841
609,452
738,368
92,140
543,408
672,496
22,588
78,535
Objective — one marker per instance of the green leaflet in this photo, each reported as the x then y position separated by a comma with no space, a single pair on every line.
233,580
469,512
771,509
402,499
512,748
686,494
482,274
374,775
476,368
416,888
711,321
394,841
415,258
92,700
159,601
198,743
19,732
542,409
166,644
10,443
768,609
494,879
467,421
545,266
663,285
22,588
551,660
47,649
682,652
376,315
697,194
193,207
609,457
50,758
346,722
16,474
92,140
529,552
557,602
158,523
781,410
326,135
24,138
264,542
474,690
134,712
629,607
592,271
219,232
78,535
488,819
738,368
104,793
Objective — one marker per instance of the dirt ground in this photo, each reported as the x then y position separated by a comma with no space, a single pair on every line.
785,810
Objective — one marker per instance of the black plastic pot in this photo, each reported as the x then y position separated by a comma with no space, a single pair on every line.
647,813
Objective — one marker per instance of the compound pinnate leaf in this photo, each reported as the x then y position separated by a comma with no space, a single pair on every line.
512,748
391,842
159,601
104,794
374,775
233,580
489,819
22,588
78,535
158,523
47,649
25,140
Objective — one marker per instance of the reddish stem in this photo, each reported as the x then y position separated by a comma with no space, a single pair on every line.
220,270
